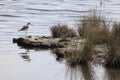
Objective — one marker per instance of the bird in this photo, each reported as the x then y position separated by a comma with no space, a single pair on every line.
25,28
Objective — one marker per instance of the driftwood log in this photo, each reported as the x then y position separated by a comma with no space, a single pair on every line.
38,42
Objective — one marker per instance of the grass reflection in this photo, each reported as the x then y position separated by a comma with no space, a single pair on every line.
78,72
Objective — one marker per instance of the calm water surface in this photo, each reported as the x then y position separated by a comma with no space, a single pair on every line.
41,64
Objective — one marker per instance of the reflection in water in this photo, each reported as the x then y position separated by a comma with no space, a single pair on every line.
73,73
79,72
91,72
87,72
59,57
76,72
25,56
112,74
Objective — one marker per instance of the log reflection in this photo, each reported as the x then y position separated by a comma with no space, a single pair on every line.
25,56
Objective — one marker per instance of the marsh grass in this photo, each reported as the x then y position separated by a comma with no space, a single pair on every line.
80,55
93,25
112,74
94,29
113,55
62,31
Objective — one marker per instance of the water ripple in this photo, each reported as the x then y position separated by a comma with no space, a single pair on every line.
51,10
8,15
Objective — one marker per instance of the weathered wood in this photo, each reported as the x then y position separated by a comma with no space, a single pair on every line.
38,42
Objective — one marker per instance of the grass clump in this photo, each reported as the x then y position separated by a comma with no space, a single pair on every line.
85,54
93,25
113,55
94,29
81,55
62,31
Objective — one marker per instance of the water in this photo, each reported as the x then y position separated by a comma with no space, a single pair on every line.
41,64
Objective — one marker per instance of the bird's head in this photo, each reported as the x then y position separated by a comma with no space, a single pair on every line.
28,23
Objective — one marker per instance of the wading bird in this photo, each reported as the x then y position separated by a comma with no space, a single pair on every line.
25,28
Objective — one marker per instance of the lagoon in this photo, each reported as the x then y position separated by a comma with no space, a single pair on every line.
42,64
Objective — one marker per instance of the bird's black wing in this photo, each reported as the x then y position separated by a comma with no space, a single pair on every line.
24,28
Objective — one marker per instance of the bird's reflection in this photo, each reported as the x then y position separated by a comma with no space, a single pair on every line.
25,56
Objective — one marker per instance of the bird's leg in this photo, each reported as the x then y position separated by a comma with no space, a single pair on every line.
25,33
